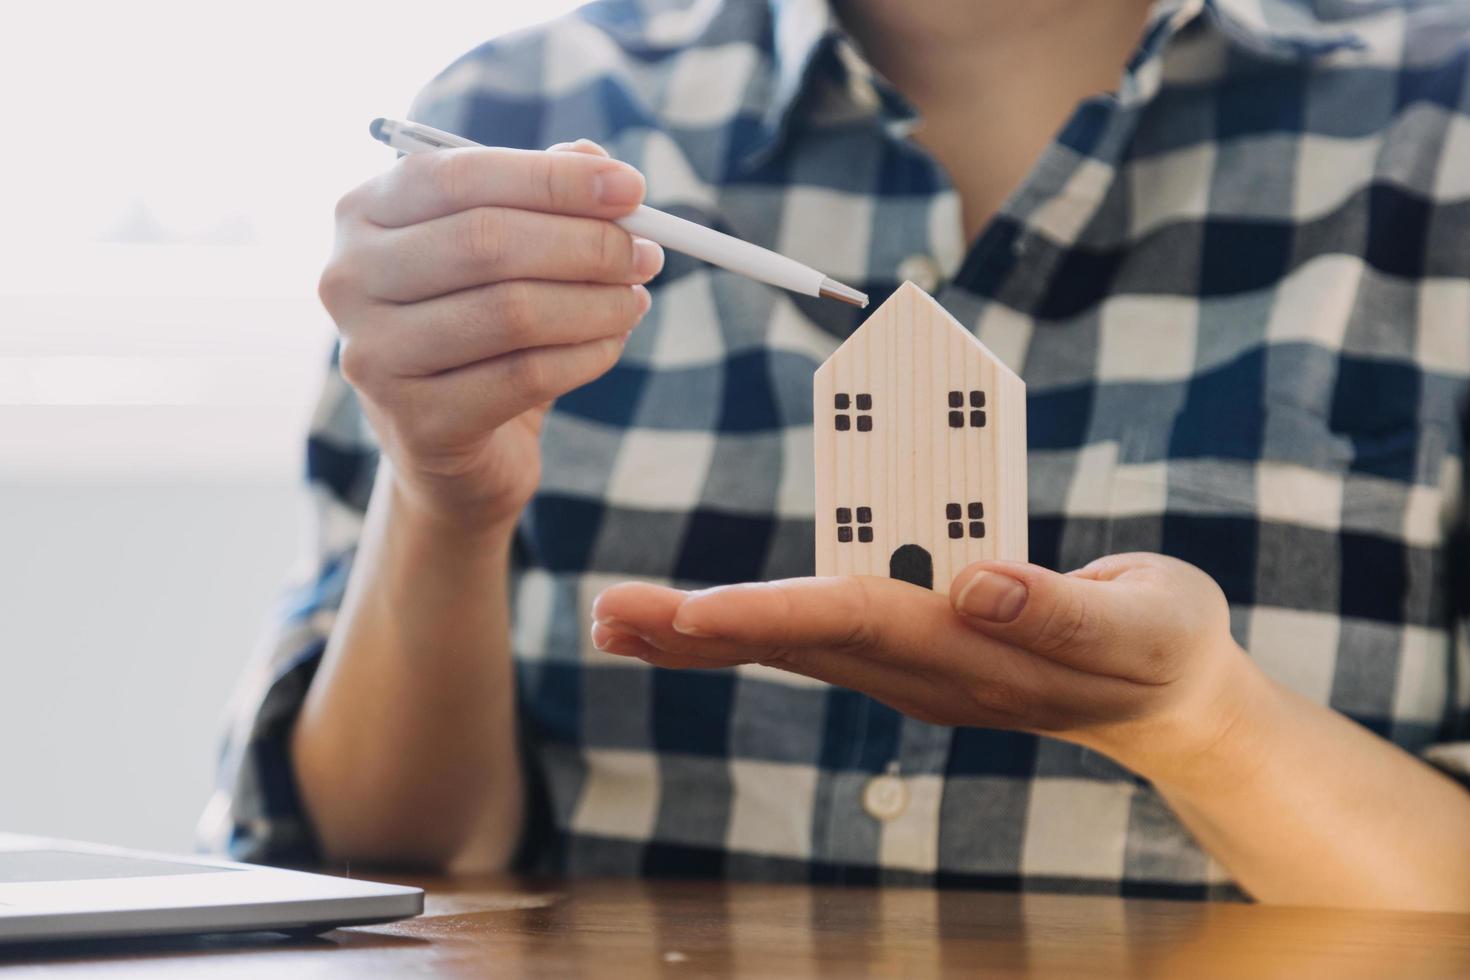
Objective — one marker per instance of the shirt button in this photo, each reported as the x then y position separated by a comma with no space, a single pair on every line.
922,271
885,797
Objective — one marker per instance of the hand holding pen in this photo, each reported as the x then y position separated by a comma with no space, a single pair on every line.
473,287
470,290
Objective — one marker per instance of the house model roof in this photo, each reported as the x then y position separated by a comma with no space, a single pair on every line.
919,436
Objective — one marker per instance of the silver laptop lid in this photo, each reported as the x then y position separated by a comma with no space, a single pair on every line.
56,889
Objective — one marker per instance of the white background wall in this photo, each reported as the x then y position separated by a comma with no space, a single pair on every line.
160,345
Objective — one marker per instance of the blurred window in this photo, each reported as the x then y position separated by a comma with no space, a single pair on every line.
170,171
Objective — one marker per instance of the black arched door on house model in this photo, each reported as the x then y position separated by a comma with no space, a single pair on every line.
910,563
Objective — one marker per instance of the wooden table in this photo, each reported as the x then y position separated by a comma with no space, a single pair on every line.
504,927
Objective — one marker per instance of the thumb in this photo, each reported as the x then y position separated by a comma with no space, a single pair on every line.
1132,616
1061,617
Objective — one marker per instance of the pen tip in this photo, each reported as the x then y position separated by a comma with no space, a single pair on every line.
376,127
832,289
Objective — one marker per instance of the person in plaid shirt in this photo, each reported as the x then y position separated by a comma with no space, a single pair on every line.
1226,243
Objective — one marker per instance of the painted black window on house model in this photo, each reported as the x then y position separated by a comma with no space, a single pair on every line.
977,409
844,524
864,404
955,515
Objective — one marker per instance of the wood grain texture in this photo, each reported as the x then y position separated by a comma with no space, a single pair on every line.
910,465
502,927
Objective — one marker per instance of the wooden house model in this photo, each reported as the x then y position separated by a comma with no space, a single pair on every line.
920,449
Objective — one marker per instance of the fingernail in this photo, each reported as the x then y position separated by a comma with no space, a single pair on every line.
993,597
645,300
682,625
620,644
619,187
607,632
648,258
599,633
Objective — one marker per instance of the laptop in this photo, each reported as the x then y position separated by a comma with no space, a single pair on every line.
57,889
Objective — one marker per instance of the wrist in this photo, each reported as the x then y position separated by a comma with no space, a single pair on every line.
420,552
427,515
1213,739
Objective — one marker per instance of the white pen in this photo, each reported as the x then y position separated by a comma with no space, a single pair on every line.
669,231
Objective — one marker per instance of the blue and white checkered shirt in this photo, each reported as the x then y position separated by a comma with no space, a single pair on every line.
1238,290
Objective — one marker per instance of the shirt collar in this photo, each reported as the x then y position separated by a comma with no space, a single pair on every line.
805,38
800,33
1295,28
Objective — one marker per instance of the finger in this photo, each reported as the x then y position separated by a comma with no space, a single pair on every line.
448,409
937,700
1112,624
423,186
908,691
452,331
637,606
486,245
933,671
607,638
648,611
872,618
857,612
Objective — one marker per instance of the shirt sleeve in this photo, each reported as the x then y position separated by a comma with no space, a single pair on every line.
255,813
1451,755
1451,751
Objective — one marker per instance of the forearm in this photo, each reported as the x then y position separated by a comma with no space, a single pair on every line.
1305,807
405,749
